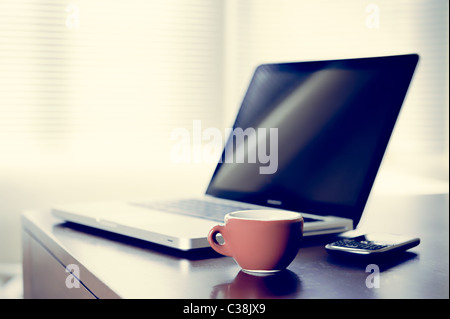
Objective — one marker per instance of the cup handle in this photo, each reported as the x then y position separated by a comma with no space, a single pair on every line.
220,248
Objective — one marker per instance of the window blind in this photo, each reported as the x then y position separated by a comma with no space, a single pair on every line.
262,31
107,80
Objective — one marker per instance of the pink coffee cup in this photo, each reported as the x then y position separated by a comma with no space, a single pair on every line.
259,240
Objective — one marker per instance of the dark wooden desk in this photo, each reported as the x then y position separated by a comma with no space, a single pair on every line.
113,266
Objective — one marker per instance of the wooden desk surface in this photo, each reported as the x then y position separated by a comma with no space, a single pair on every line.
114,266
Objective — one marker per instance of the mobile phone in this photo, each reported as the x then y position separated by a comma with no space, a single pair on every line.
372,245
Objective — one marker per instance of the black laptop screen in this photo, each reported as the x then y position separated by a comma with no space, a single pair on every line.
310,136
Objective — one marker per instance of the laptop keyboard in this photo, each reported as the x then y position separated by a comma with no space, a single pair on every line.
201,209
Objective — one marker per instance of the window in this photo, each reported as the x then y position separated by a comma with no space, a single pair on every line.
271,31
106,81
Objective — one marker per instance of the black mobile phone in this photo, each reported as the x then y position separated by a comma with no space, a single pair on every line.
372,245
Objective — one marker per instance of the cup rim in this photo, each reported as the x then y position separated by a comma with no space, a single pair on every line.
264,215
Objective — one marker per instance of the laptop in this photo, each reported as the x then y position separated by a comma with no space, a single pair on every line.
309,137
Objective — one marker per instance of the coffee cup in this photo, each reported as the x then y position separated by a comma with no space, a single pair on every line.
260,241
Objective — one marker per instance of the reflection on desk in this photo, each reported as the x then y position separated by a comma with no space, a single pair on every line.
283,284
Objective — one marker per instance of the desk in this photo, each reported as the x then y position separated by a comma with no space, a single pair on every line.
114,266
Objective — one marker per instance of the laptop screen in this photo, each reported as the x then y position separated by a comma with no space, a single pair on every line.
310,136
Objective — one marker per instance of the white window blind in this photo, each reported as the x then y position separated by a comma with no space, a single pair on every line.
84,80
261,31
103,81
